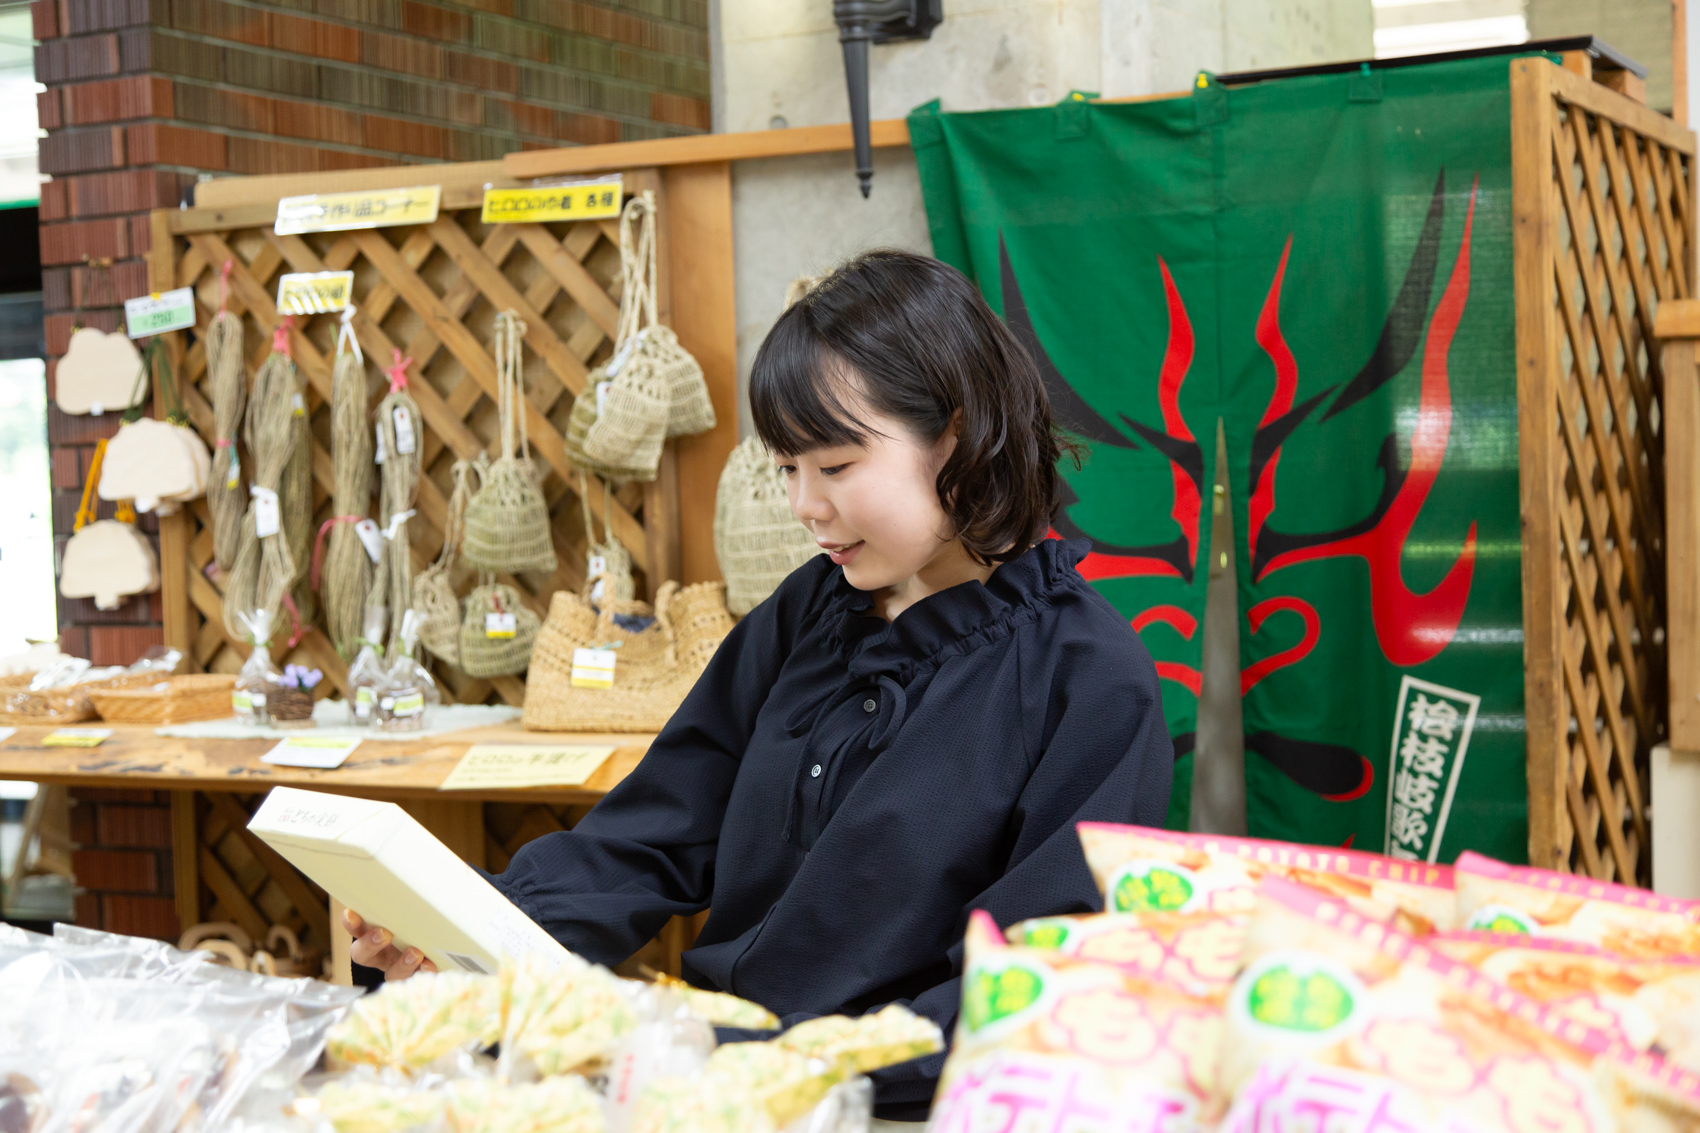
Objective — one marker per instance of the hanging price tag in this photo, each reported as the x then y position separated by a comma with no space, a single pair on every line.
499,625
602,397
378,453
405,441
299,404
593,668
234,480
156,314
370,538
596,565
265,512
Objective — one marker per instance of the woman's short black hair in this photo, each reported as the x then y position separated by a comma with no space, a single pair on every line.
912,339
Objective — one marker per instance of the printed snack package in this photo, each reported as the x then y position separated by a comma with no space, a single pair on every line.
1142,869
1495,897
1049,1041
1196,951
1338,1021
1647,1004
411,1023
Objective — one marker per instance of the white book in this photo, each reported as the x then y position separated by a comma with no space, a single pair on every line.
375,858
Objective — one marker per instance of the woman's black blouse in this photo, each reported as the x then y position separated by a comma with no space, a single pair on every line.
842,791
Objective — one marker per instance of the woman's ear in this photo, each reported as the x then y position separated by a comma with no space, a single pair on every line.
946,444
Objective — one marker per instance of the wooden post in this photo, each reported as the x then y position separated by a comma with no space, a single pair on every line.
1677,329
185,860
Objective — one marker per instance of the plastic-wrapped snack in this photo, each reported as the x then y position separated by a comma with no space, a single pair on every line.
1648,1004
1047,1041
860,1045
554,1105
719,1007
563,1018
1197,951
371,1106
1495,897
695,1104
1140,869
783,1082
1340,1022
412,1023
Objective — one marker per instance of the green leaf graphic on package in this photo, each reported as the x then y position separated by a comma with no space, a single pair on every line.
994,994
1049,935
1498,918
1299,1001
1142,888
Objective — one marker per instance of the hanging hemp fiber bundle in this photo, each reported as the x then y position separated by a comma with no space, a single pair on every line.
507,522
346,576
264,569
295,498
398,434
227,494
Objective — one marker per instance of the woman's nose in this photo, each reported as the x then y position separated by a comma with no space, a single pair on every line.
808,503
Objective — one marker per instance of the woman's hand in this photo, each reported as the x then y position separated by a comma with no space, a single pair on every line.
374,947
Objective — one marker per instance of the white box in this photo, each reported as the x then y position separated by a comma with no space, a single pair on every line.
376,859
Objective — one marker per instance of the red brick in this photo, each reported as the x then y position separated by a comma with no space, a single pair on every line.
81,795
44,19
220,20
47,114
160,143
416,139
253,155
69,243
586,129
522,117
679,110
78,429
141,234
154,917
434,22
315,37
335,159
88,910
123,191
127,871
481,72
494,7
82,822
82,151
144,826
219,106
315,122
121,645
67,60
66,474
464,106
401,53
135,96
55,205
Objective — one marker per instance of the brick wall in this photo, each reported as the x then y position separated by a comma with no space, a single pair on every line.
145,96
121,854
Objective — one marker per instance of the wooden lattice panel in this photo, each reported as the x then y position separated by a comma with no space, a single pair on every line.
1604,233
433,291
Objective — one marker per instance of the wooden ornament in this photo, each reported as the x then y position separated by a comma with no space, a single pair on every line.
98,373
155,463
108,561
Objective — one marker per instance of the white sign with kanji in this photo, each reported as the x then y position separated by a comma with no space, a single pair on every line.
1431,736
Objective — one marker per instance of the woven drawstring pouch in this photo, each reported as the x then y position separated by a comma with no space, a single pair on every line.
756,538
633,402
583,416
689,409
498,633
507,522
608,565
434,590
654,668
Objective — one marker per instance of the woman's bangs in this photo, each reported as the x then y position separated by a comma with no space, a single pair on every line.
800,398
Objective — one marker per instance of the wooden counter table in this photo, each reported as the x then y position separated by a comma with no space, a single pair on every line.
223,873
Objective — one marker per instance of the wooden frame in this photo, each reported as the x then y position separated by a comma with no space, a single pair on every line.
1604,231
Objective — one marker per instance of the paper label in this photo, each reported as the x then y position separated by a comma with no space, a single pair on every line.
158,313
378,453
234,480
320,752
602,397
366,208
246,703
265,512
593,668
405,441
499,625
525,765
410,705
370,538
583,200
364,699
299,404
314,292
76,737
596,565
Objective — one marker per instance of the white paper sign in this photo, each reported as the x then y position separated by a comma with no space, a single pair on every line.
378,454
265,511
370,538
148,315
320,752
593,668
499,625
405,441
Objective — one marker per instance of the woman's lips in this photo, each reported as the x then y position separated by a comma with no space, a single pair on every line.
843,553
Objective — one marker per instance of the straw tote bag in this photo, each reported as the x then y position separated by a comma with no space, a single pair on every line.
756,538
654,668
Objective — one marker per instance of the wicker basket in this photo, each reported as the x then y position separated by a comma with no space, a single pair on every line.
173,700
67,705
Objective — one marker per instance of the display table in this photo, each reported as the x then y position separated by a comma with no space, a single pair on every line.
220,872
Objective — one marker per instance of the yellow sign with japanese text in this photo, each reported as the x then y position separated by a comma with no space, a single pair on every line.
314,292
497,766
364,208
583,200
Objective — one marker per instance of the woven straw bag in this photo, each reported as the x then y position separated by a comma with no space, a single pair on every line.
434,590
635,411
482,655
654,668
608,565
756,538
583,416
507,522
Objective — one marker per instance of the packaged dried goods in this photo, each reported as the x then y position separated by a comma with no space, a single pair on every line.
1495,897
562,1017
554,1105
1197,951
1140,869
867,1042
410,1024
719,1007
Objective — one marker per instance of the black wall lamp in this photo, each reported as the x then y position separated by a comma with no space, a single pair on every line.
861,22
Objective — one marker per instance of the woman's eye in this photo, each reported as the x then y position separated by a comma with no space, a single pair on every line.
834,470
787,469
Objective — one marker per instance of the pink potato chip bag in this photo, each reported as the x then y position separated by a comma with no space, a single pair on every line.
1196,951
1047,1042
1338,1022
1495,897
1141,869
1648,1004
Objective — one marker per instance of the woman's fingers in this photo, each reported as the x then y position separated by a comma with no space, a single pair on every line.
373,948
404,965
353,922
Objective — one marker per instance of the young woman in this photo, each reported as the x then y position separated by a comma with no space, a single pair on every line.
911,726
